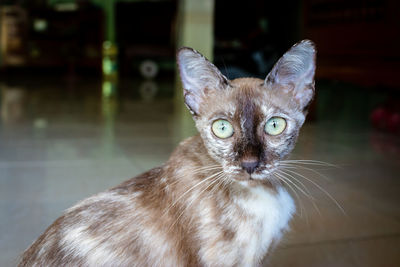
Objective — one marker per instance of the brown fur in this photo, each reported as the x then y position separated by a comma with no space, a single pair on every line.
156,198
201,208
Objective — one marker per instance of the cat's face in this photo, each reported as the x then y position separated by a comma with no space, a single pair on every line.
248,125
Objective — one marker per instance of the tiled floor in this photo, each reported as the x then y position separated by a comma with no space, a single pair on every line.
61,142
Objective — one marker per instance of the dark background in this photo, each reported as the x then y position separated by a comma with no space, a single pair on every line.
90,97
357,43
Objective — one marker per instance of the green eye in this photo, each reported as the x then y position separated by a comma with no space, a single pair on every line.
222,129
275,126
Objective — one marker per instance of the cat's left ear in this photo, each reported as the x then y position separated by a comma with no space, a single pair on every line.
294,73
199,76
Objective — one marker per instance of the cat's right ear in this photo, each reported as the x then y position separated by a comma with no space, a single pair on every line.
198,76
294,73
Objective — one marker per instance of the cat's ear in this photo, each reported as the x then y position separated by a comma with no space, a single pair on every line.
198,76
294,73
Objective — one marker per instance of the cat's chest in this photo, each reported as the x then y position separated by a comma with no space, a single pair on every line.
241,230
265,215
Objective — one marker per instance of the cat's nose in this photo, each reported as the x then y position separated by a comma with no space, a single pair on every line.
249,165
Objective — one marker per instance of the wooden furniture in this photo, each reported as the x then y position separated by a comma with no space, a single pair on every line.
13,35
52,38
358,41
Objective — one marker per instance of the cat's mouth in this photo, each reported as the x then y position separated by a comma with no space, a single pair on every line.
263,174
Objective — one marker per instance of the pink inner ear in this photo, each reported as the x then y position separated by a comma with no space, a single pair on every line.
199,76
294,73
304,96
191,102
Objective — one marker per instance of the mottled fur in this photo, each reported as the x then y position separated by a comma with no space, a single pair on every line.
201,208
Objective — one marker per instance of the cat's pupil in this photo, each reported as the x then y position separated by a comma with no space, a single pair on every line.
274,124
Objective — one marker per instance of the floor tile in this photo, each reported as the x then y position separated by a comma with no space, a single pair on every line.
65,143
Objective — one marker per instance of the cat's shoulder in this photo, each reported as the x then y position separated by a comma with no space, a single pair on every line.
190,144
189,149
141,181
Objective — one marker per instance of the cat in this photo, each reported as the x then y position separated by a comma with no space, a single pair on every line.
216,201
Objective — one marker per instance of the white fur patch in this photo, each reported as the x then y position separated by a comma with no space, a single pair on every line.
257,219
78,242
270,214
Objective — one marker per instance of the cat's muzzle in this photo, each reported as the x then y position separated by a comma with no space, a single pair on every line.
250,166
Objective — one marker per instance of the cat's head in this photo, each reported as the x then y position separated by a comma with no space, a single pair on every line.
248,125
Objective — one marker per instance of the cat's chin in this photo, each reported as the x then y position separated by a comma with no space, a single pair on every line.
254,180
256,176
259,176
262,175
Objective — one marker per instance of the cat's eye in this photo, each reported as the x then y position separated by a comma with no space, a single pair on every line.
222,129
275,126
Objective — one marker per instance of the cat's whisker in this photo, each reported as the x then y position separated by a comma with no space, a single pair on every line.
310,162
224,182
190,189
205,169
305,164
311,198
288,166
288,175
190,204
294,191
217,178
214,183
208,170
294,184
322,190
199,170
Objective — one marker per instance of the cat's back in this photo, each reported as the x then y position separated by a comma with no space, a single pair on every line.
112,228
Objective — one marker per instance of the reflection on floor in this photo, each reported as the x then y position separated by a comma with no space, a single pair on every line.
60,143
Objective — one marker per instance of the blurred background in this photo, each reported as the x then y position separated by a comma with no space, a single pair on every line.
89,97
